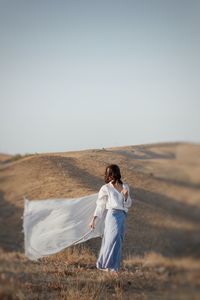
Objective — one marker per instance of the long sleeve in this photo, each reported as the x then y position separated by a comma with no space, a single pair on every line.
128,201
101,201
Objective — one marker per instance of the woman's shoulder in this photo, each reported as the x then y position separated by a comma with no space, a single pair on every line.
104,187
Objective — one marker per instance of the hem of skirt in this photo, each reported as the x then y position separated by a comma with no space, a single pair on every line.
106,269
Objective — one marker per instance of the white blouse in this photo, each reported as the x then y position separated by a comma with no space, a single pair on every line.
109,197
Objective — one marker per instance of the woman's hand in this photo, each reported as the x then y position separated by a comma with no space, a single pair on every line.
125,193
93,223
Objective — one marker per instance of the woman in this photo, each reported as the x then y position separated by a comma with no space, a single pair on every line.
114,200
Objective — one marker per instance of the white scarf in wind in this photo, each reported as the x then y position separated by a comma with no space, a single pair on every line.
53,224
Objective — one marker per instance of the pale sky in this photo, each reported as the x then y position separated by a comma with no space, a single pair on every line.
91,74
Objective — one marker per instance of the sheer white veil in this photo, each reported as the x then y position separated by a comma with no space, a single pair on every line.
53,224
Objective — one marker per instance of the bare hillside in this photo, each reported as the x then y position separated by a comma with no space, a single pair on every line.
165,186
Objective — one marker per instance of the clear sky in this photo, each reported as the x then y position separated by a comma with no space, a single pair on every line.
92,74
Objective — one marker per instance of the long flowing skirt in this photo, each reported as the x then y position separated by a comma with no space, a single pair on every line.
111,246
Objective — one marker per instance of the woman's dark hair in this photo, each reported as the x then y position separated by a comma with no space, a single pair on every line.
112,173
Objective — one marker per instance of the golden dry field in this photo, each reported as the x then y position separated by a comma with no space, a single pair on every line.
161,251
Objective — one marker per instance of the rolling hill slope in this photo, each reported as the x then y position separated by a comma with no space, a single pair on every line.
161,257
164,181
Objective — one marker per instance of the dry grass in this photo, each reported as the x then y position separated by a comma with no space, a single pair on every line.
71,274
161,256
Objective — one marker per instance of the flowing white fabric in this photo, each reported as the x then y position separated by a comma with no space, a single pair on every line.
53,224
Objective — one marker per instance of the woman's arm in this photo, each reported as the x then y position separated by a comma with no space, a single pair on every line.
127,197
101,205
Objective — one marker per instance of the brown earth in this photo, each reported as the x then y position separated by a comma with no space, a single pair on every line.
162,243
4,157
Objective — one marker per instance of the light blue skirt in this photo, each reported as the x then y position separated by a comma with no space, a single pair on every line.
111,246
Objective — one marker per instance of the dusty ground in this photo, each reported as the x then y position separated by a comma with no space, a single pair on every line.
161,253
